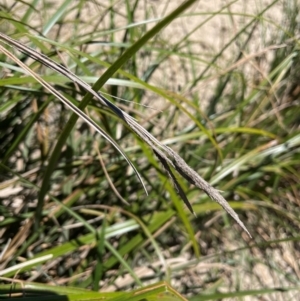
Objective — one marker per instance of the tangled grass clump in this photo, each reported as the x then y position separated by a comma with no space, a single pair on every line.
74,211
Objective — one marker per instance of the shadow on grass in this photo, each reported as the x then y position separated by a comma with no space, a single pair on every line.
30,294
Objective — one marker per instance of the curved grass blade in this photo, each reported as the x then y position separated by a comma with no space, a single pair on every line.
177,162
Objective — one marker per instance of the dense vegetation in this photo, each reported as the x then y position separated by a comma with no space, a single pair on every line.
75,218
